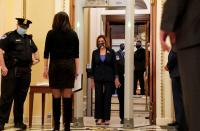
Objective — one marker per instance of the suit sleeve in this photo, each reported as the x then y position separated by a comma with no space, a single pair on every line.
47,45
172,60
114,63
76,45
4,42
33,46
92,65
172,11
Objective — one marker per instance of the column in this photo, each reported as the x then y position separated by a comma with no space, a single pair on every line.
129,64
164,99
59,6
78,96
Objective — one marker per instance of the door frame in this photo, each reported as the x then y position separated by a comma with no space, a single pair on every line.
153,24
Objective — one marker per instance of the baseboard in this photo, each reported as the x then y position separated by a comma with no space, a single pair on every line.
37,120
163,121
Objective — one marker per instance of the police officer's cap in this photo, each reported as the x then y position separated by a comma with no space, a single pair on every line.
24,23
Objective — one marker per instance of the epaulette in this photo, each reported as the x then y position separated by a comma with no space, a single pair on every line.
8,33
30,36
5,35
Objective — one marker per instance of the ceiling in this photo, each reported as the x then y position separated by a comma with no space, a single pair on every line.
140,4
120,19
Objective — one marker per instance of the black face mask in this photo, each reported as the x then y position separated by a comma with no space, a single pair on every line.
101,45
138,46
122,48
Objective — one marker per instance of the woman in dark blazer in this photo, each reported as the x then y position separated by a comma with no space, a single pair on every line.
104,75
62,45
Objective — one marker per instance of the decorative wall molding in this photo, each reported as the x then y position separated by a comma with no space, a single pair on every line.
163,121
163,83
59,6
62,5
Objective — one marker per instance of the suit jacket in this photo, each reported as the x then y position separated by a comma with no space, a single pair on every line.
139,59
120,62
183,18
106,70
172,64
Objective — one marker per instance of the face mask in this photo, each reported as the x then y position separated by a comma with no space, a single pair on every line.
122,48
21,31
138,46
101,45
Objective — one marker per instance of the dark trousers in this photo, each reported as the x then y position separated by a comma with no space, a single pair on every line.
189,61
14,86
103,94
178,101
120,94
139,75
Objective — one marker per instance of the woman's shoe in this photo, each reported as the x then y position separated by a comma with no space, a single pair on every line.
98,121
56,128
107,122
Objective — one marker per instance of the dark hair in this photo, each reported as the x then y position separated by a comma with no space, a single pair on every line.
61,22
139,41
101,36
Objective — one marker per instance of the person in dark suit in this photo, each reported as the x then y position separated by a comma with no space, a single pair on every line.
180,21
172,67
104,74
120,91
139,63
62,46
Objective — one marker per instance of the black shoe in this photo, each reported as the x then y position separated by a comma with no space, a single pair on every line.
2,126
20,125
67,127
181,128
173,124
56,127
122,121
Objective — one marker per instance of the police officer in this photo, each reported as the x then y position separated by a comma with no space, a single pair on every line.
120,89
139,63
17,53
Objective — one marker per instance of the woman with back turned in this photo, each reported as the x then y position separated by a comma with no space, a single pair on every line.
62,45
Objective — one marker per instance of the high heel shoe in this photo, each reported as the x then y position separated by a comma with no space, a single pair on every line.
99,122
56,126
107,122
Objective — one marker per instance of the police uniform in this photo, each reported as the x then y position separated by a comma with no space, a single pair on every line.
18,51
120,91
139,63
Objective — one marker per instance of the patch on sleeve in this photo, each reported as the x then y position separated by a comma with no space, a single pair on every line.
3,37
117,57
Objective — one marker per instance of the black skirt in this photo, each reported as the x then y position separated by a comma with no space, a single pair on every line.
62,73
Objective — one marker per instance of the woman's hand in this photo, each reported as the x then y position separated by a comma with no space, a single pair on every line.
77,63
117,83
4,70
77,73
45,73
92,85
166,68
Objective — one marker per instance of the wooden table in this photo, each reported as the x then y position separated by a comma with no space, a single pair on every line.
43,89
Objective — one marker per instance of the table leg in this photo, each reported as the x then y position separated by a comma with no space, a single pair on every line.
31,99
43,107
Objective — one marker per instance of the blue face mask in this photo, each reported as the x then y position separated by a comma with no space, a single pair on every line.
21,31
